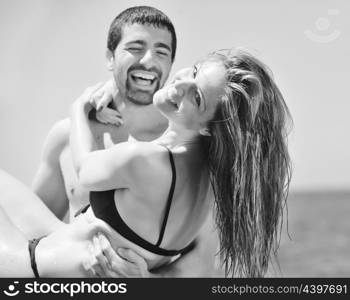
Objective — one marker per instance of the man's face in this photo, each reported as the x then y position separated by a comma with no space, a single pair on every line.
141,62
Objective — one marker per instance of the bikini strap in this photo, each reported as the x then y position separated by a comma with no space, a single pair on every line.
170,197
31,247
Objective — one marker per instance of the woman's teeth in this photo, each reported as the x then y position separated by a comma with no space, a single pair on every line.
172,92
174,103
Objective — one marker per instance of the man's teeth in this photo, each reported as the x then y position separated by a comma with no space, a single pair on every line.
144,76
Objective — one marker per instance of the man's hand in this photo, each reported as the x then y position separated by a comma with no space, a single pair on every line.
105,262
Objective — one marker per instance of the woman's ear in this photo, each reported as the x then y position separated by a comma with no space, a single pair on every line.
110,60
204,131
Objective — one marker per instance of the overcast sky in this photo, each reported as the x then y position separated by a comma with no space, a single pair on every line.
52,49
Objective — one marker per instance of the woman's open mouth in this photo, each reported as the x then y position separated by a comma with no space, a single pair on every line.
173,103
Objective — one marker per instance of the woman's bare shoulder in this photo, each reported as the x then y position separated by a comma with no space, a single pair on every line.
150,164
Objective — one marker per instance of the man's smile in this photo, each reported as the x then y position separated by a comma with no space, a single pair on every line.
143,79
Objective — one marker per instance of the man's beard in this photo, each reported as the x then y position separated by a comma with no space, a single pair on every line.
140,97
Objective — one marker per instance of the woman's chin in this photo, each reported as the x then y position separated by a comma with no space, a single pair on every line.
158,97
159,100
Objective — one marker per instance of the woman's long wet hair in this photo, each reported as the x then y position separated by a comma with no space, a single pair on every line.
249,164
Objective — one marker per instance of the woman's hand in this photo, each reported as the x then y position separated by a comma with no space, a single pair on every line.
101,98
109,116
105,262
85,99
98,97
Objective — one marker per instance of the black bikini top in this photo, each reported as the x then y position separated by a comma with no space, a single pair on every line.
103,206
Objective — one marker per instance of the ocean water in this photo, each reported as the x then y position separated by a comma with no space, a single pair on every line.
317,242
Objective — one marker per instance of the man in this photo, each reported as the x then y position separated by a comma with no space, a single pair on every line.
141,50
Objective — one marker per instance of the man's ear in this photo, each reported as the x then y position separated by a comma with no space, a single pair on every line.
110,60
204,131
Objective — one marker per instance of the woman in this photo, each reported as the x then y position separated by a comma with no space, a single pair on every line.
227,122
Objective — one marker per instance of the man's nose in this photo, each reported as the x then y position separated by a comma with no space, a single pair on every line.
147,59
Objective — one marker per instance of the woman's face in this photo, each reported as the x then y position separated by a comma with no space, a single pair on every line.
190,100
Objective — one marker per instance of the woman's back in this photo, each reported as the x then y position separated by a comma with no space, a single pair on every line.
171,192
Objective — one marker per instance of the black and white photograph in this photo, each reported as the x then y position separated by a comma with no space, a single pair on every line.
178,139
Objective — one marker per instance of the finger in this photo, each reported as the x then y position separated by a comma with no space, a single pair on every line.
112,111
90,91
109,114
113,259
105,99
113,115
101,259
106,247
138,261
110,269
113,120
98,94
98,270
89,271
109,117
93,260
130,255
87,262
96,97
101,118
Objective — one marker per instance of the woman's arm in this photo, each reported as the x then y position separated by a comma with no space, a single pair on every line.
82,141
117,167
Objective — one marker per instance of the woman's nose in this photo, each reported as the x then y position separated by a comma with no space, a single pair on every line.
182,81
183,85
182,74
175,92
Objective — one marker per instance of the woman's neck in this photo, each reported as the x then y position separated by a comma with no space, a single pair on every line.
175,136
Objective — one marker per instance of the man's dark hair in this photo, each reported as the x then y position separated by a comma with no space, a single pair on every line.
144,15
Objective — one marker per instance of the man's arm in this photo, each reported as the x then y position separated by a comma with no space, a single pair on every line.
48,181
199,262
